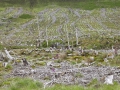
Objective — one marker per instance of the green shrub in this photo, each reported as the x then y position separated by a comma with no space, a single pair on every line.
50,43
8,67
26,16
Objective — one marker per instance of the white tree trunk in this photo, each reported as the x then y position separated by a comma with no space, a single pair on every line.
46,37
76,36
67,37
8,55
38,26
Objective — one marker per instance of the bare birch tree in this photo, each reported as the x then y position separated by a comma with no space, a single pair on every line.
76,34
67,34
46,36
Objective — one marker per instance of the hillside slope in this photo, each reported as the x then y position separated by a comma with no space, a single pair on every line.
21,27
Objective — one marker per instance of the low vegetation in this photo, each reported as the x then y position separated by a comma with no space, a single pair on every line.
26,16
84,4
45,31
21,84
1,46
28,84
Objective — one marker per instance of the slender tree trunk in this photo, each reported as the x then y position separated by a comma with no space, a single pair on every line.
67,37
38,40
38,25
46,37
8,55
76,31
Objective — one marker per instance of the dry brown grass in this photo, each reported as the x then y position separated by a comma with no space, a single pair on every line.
62,55
76,53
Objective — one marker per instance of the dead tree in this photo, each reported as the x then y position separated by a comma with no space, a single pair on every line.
37,43
25,63
1,56
8,55
68,40
46,36
76,34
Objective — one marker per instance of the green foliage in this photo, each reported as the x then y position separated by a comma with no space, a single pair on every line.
8,67
93,82
73,62
21,84
115,86
29,84
58,61
26,16
89,4
100,57
115,61
10,18
83,4
76,87
97,42
64,87
33,66
1,46
18,47
40,63
92,42
50,43
69,52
